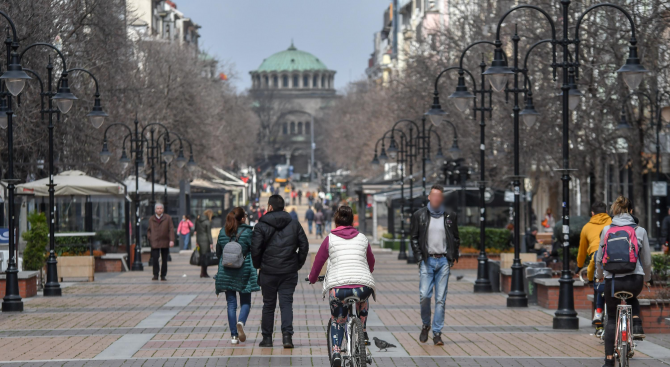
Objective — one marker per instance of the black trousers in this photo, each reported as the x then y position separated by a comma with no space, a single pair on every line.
163,252
273,285
630,283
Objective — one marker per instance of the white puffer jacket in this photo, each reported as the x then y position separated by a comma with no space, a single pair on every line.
347,263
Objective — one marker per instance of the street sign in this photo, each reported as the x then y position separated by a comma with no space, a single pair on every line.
509,196
4,236
488,195
659,188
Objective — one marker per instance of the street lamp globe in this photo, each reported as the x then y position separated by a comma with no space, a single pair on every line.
574,95
181,160
64,98
105,154
168,155
665,114
529,114
15,78
499,71
97,115
383,158
455,151
392,151
632,71
462,96
439,156
124,160
191,166
375,160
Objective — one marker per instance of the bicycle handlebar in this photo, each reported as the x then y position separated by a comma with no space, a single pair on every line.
321,278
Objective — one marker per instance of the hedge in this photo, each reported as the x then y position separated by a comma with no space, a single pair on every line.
495,238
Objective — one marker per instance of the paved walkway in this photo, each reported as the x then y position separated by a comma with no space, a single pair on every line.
126,319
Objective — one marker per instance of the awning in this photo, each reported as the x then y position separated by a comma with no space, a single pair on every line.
145,186
71,183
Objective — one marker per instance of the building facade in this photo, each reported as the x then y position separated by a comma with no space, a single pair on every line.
291,88
160,20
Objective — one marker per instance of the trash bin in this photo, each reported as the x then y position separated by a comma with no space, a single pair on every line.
530,274
494,275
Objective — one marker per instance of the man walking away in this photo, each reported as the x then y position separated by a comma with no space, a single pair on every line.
160,235
327,219
309,217
589,240
318,220
299,197
435,242
293,214
279,249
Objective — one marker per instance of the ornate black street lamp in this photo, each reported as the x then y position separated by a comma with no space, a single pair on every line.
14,79
632,72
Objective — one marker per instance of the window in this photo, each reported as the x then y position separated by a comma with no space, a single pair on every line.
307,128
323,82
315,83
305,81
292,128
285,128
299,128
296,81
284,81
267,82
275,81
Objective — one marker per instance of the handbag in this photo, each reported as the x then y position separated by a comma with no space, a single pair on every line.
195,257
211,259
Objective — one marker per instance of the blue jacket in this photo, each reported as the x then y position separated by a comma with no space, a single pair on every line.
309,215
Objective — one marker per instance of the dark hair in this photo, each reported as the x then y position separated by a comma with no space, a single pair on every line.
437,187
233,220
277,202
621,205
598,207
344,216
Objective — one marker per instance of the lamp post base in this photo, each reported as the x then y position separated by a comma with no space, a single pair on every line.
52,290
137,267
402,255
566,323
12,306
483,286
517,301
411,259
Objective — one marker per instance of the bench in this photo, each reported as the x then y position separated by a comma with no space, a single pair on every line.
111,263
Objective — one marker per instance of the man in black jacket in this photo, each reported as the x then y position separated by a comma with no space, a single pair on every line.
435,242
279,249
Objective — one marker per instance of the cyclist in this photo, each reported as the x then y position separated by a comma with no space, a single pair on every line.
349,273
589,241
633,282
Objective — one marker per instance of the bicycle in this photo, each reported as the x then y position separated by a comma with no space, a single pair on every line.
600,327
624,347
353,350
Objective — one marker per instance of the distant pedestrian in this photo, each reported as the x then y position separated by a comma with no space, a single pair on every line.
184,230
203,237
279,249
665,229
309,217
548,222
160,234
319,205
294,197
327,219
435,242
318,220
243,280
310,198
294,214
299,197
253,215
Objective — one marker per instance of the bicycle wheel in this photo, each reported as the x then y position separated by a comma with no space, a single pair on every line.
329,343
623,356
357,355
602,336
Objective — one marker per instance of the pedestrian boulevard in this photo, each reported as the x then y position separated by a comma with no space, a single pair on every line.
126,319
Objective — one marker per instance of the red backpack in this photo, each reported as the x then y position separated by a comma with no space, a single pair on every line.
620,252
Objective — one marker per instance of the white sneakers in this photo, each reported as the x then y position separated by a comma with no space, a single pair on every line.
597,317
235,340
240,332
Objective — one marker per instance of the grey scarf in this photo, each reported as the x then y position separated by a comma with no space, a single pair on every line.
435,213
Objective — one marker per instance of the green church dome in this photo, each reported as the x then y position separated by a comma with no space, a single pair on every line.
291,60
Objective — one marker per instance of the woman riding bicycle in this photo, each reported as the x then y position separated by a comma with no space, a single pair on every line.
631,281
350,267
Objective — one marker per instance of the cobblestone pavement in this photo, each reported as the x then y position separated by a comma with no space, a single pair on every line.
126,319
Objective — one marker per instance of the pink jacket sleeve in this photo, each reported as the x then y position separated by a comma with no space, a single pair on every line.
319,260
371,258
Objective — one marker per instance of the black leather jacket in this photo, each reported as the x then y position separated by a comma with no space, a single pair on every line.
278,244
419,235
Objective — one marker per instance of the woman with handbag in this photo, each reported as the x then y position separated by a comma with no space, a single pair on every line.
203,237
238,275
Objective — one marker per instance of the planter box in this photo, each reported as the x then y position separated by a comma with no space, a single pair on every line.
548,290
76,267
469,261
27,284
111,263
506,259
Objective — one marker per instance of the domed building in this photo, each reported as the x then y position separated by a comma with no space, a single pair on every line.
289,88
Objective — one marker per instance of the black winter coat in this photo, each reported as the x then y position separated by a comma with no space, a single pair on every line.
419,235
282,252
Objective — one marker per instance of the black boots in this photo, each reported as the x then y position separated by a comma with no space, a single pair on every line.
638,332
423,337
266,342
287,341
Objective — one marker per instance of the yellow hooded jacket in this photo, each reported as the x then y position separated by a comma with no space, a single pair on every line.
589,240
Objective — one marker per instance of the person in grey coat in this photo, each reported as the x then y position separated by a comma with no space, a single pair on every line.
633,282
203,237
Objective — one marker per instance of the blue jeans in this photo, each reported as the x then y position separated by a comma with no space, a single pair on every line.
245,307
433,273
328,225
599,289
185,240
309,225
319,229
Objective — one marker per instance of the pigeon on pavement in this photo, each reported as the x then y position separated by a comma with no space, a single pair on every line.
459,277
382,344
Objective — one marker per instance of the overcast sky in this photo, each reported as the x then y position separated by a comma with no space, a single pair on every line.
244,32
